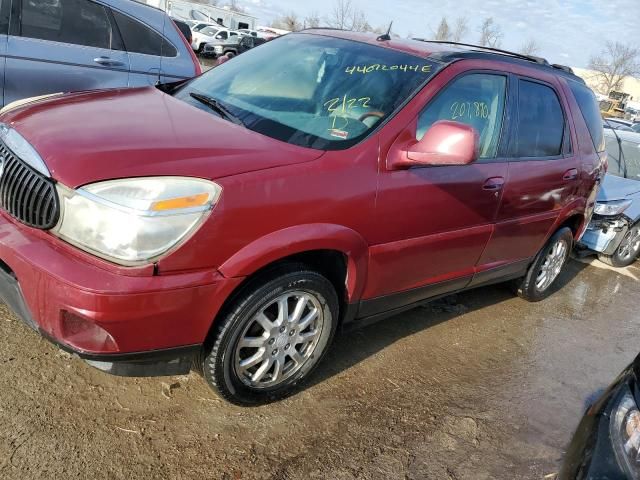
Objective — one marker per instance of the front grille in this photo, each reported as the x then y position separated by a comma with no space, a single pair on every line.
26,194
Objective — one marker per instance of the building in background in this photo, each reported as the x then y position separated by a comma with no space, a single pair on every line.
631,86
186,10
624,103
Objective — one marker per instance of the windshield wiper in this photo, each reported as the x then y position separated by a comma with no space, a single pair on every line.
217,107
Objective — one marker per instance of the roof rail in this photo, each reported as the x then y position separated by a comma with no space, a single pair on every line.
530,58
564,68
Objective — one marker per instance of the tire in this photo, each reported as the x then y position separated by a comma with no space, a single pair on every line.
533,287
245,375
628,251
230,54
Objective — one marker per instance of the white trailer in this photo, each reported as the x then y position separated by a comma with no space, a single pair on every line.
186,10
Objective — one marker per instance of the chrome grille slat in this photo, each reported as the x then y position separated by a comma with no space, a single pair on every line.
15,189
26,194
32,203
9,173
26,211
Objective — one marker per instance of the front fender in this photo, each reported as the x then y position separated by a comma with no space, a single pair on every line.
299,239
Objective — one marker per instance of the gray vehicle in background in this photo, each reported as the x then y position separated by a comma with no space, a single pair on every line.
51,46
231,47
614,231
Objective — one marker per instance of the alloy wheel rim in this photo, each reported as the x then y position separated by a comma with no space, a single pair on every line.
280,339
630,245
552,265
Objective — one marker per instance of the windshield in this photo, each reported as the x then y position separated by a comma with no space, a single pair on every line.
313,91
624,157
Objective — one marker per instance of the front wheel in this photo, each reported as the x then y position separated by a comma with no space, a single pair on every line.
627,252
274,335
546,268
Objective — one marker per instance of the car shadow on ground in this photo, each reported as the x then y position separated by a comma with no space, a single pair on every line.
354,346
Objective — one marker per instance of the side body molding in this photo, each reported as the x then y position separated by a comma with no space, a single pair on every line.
304,238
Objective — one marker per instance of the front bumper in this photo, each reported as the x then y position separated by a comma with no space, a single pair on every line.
125,324
604,235
212,51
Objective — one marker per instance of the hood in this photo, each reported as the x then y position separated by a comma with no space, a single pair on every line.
617,188
90,137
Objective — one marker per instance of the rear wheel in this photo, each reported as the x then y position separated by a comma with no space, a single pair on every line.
274,335
628,251
538,283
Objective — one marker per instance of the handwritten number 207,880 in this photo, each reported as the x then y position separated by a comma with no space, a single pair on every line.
469,110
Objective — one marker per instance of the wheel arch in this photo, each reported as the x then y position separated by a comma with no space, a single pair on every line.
576,222
574,217
316,245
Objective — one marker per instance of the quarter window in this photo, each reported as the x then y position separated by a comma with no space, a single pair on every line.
590,112
138,38
541,123
477,100
78,22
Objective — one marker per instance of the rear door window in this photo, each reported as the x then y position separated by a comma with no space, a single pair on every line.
590,110
79,22
476,99
138,38
540,122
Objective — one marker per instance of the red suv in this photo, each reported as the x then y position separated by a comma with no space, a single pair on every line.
239,218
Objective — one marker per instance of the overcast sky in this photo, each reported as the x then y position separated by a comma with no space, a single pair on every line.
567,31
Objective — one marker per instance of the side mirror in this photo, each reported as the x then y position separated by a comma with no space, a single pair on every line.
445,143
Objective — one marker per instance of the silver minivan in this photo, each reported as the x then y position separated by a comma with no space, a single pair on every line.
50,46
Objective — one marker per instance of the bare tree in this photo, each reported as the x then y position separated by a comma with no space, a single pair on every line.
234,6
312,20
615,63
530,47
443,33
460,29
347,16
287,22
490,33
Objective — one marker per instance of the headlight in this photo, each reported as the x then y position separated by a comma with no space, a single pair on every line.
23,149
134,221
612,208
625,434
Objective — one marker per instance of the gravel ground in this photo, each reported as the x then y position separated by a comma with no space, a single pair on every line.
479,385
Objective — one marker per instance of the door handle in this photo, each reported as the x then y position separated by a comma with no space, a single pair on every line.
108,62
494,184
570,175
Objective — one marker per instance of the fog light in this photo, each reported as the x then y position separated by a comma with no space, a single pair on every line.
84,334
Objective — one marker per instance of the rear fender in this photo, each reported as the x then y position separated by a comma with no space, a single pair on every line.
576,208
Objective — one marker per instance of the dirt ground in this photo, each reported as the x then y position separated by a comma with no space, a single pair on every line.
476,386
